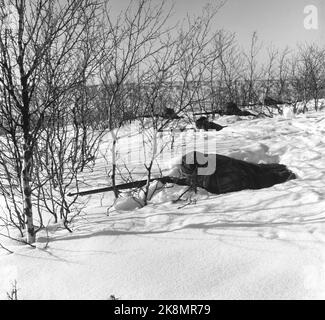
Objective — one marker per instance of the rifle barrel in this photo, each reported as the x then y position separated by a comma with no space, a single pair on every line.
130,185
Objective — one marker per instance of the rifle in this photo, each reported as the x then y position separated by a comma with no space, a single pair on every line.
132,185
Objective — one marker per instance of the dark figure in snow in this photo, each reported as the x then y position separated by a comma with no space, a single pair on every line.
217,174
268,101
203,123
170,113
231,108
220,174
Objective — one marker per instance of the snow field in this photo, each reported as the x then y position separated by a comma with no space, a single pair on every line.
252,244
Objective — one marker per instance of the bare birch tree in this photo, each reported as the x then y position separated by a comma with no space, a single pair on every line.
41,55
134,40
312,70
252,72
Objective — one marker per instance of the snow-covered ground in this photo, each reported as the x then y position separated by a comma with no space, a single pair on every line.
252,244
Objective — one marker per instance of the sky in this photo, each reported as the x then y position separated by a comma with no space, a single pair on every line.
277,22
280,22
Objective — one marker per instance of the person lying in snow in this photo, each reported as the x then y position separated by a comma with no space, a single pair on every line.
231,108
203,123
215,173
220,174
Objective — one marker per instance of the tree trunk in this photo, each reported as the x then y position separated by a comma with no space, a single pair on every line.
27,193
113,176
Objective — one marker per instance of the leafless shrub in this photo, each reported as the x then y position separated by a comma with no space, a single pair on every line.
13,294
47,48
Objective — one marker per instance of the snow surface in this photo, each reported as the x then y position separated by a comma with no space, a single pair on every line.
252,244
